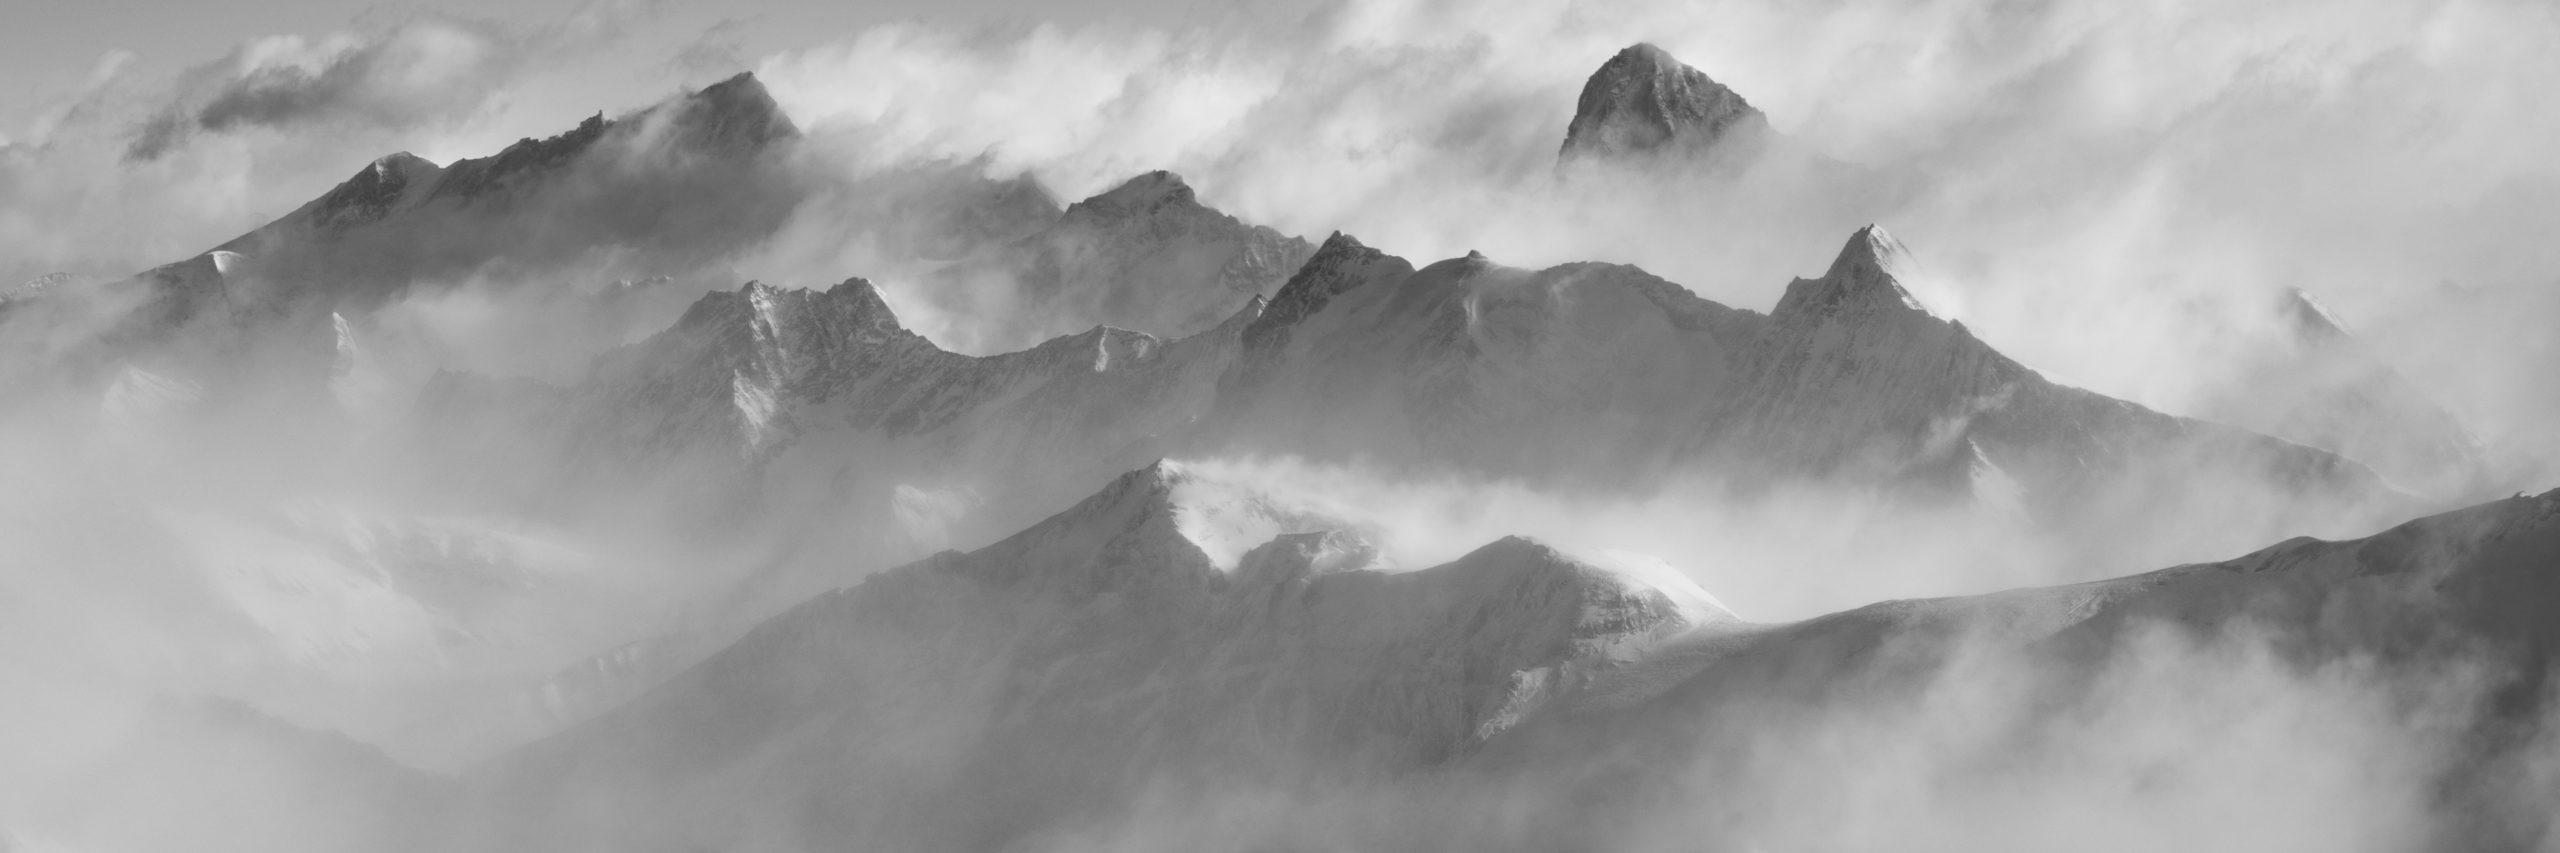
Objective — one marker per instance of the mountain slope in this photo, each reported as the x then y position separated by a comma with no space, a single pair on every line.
1146,255
1061,677
2418,660
1607,374
819,418
2320,385
689,176
1046,674
675,186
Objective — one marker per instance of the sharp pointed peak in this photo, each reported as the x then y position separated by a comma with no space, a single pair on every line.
734,115
1341,264
1871,248
1868,273
2310,320
1340,242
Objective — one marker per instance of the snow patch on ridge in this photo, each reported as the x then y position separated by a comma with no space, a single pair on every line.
1695,604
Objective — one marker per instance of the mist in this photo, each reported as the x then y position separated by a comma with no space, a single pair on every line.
349,578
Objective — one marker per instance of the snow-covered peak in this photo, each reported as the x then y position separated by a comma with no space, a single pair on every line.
1695,604
1643,101
1867,276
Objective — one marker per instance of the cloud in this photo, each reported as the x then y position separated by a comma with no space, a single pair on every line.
2113,193
121,172
424,71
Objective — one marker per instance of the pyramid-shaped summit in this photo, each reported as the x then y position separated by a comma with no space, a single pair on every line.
1867,274
1643,102
733,115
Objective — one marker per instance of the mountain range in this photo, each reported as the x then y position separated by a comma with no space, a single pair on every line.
1177,641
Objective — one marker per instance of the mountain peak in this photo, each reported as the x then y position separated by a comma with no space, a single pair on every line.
1145,193
1339,265
372,192
2311,321
854,303
736,114
1643,101
1867,274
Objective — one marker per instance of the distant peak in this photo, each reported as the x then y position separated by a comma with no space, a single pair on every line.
1643,101
1142,194
2311,321
736,114
1867,273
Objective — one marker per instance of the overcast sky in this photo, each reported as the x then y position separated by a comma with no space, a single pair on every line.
51,47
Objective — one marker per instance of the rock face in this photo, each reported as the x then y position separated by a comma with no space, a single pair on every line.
674,186
763,399
766,411
686,176
1645,105
1578,376
1108,659
975,699
1146,255
1604,372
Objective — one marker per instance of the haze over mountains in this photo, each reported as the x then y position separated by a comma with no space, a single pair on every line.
658,557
